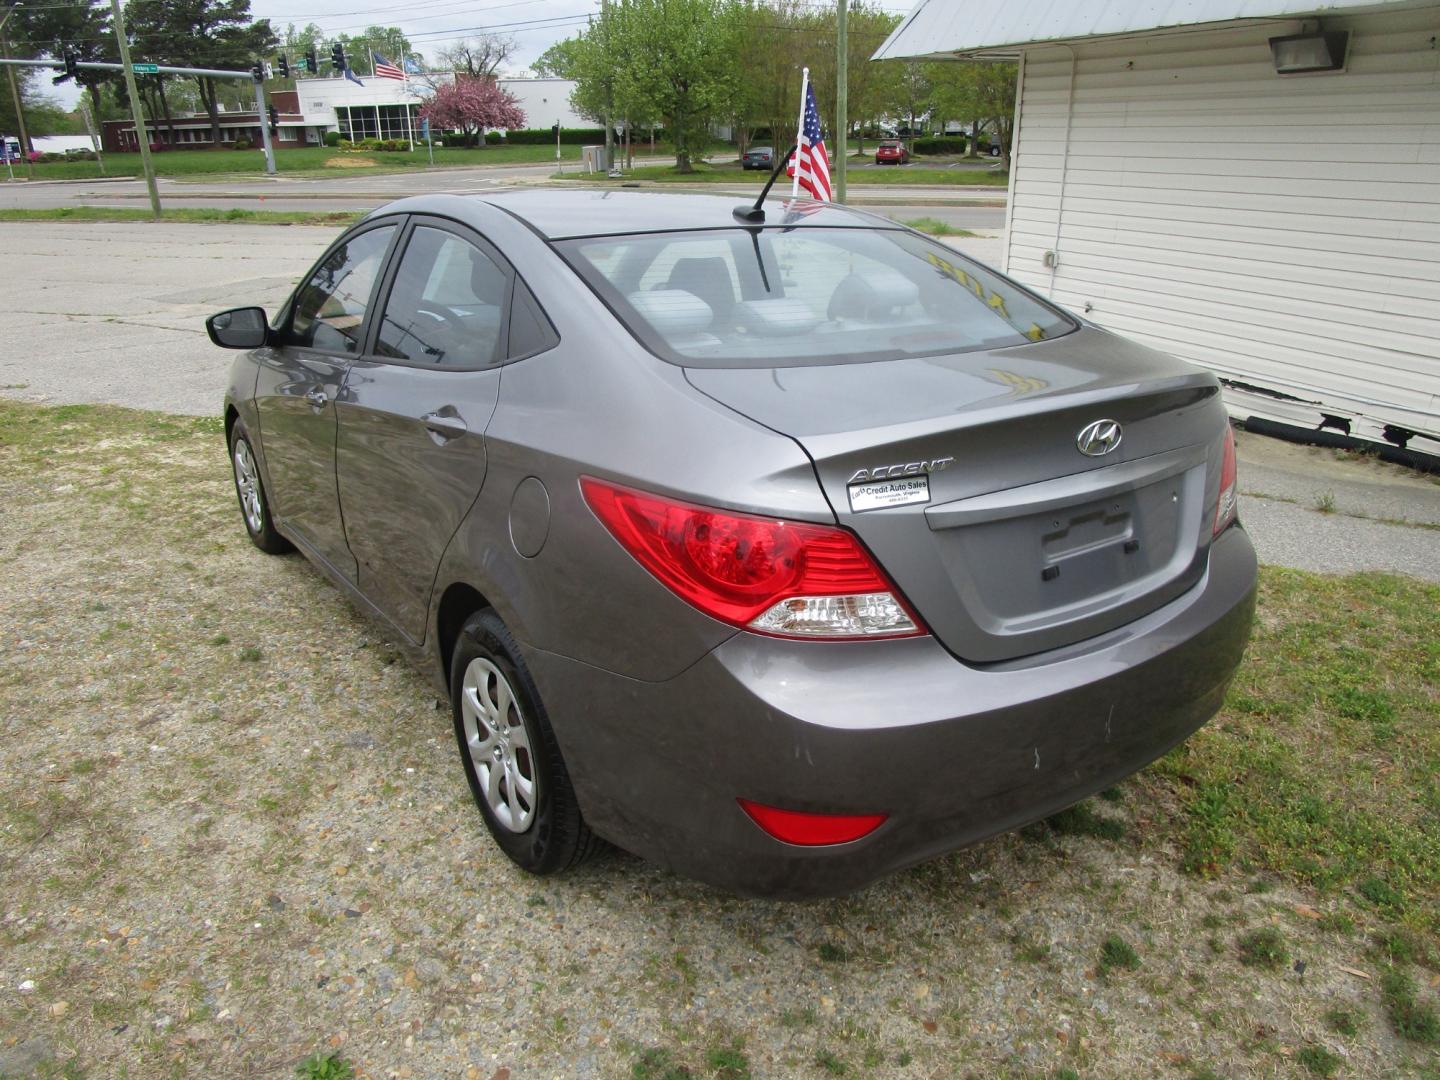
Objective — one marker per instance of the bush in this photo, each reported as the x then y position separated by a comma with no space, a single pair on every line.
540,136
243,143
954,144
333,138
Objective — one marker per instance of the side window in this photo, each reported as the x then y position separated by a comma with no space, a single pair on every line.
447,306
530,330
330,308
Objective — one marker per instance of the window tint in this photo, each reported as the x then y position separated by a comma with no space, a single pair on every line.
447,306
530,330
330,308
784,297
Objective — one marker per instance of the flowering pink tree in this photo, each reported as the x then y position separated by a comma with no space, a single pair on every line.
473,106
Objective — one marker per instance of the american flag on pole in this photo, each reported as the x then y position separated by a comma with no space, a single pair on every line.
811,165
384,69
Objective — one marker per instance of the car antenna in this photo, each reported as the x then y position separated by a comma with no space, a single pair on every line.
755,215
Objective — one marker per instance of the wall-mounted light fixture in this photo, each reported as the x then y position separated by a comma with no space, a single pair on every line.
1300,53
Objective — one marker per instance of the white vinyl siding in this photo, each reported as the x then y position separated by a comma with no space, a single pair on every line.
1283,231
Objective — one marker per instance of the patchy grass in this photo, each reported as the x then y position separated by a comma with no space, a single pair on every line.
1264,947
185,215
1324,767
1318,1061
320,1066
238,863
1117,954
1409,1016
305,160
935,227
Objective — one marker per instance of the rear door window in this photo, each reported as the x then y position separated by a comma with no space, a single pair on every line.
447,305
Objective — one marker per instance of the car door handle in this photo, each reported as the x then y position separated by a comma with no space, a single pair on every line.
446,427
316,398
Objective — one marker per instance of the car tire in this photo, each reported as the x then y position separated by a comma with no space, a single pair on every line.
250,491
506,743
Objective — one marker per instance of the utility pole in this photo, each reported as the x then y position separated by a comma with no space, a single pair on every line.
264,122
140,134
842,104
15,94
609,130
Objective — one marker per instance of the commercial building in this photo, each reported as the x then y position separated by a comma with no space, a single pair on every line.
1253,185
371,109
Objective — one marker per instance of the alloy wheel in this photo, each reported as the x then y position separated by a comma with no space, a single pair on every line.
498,745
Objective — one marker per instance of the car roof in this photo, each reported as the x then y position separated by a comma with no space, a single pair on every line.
558,214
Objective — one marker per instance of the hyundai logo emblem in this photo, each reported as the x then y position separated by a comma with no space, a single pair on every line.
1099,438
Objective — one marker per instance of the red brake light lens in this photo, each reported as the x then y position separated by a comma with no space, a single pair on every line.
786,578
811,830
1228,505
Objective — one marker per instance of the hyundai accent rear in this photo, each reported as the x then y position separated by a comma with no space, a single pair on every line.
792,552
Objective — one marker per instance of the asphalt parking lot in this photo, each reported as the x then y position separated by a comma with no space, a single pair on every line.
114,313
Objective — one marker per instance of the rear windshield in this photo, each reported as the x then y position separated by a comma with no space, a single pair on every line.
785,297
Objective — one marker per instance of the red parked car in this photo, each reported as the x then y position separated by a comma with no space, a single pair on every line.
892,152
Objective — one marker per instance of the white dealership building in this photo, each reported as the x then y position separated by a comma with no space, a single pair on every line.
386,108
1253,185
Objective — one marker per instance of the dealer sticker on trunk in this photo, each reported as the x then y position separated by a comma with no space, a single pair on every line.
880,494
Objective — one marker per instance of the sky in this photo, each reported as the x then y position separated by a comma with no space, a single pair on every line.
431,24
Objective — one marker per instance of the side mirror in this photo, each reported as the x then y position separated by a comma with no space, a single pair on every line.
239,328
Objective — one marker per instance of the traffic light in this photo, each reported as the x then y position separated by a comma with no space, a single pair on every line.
282,62
274,119
72,66
312,62
337,56
258,72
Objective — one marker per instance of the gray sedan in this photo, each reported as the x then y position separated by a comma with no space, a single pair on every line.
786,549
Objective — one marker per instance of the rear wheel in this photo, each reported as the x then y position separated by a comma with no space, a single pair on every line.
250,490
509,753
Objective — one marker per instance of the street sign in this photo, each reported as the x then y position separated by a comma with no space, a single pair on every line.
145,69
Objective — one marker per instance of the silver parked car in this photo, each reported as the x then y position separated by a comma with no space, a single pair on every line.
784,552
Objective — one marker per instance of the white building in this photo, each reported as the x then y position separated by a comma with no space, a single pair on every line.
1176,180
386,108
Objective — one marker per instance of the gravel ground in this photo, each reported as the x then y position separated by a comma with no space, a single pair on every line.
235,832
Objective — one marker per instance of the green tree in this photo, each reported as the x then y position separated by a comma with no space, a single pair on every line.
982,94
389,41
673,58
561,60
199,33
34,30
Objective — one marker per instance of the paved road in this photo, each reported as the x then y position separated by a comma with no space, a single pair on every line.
964,208
114,313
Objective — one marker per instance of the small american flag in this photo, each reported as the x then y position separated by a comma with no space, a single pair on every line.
810,157
384,69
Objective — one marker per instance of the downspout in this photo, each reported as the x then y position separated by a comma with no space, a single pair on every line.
1014,168
1054,254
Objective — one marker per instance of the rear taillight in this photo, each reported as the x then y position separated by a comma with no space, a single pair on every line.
1228,504
786,578
811,830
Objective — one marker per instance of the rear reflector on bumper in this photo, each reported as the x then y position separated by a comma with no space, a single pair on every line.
811,830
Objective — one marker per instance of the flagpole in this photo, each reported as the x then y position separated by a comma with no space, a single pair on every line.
409,116
800,133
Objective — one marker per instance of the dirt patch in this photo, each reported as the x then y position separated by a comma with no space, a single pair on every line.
234,832
347,161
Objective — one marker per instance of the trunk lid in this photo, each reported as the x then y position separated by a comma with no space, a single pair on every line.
963,476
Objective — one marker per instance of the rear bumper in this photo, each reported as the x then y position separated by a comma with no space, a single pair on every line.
951,752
